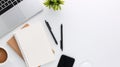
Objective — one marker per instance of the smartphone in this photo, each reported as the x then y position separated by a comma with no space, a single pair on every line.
66,61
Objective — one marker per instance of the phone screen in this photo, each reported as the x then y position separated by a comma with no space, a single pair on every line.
66,61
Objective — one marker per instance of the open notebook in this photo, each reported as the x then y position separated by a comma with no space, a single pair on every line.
34,45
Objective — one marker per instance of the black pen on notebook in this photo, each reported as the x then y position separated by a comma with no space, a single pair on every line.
51,31
61,41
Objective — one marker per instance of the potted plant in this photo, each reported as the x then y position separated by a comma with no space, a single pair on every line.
54,4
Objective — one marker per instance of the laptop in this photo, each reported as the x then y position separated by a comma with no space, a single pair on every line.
15,12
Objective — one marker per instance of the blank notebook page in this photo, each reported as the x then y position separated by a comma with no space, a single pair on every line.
35,45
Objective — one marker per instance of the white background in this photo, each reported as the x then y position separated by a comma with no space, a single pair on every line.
91,33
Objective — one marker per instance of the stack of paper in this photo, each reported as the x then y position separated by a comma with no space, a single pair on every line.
34,45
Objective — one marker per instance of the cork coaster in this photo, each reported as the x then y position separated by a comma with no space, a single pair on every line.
3,55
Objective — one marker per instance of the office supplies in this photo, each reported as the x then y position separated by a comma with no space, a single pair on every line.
34,45
61,41
3,55
48,25
13,44
15,12
66,61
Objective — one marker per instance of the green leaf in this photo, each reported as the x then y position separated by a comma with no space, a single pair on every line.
60,7
61,2
54,1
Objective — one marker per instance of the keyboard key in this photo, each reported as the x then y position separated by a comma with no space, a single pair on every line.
0,8
6,4
3,6
18,1
15,3
2,2
12,0
9,2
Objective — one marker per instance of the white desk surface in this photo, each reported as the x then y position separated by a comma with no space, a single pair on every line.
91,33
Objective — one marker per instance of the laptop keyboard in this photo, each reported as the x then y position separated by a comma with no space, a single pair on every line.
7,4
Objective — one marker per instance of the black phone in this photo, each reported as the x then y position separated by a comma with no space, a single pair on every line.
66,61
